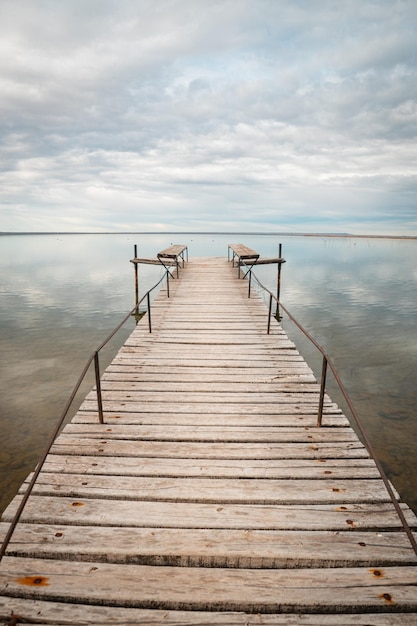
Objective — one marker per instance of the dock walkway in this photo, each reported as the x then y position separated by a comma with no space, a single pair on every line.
208,496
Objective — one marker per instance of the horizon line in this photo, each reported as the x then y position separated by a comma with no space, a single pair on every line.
212,232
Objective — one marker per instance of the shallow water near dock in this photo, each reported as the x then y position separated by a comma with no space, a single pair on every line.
63,294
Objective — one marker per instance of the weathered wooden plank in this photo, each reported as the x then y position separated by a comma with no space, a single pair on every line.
148,261
380,517
166,432
149,404
256,365
229,315
173,250
58,613
204,323
199,344
207,450
243,251
271,590
212,547
182,363
138,393
302,418
177,352
210,341
280,361
207,376
256,468
208,490
269,260
202,386
196,394
202,318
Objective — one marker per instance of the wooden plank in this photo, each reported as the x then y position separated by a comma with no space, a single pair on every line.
208,490
138,393
242,251
259,375
277,357
269,260
204,377
203,386
256,364
211,547
143,261
219,408
54,613
204,322
214,352
252,590
173,250
257,468
251,412
165,432
379,517
207,450
301,419
131,368
178,334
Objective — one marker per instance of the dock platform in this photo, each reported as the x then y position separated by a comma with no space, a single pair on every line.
209,495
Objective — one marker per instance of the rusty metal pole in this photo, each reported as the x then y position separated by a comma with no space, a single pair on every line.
135,252
322,391
98,388
269,314
148,300
277,315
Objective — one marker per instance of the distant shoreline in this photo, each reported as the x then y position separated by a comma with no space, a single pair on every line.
246,234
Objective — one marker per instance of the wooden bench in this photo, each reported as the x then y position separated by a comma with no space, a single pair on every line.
173,253
244,255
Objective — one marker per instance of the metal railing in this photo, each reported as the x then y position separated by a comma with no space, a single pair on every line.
327,363
94,358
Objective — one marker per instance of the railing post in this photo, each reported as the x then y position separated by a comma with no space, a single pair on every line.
277,315
98,388
136,280
322,390
148,300
269,314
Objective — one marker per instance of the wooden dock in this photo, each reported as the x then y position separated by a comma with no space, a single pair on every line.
208,496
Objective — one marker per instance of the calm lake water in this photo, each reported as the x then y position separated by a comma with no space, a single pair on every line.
62,294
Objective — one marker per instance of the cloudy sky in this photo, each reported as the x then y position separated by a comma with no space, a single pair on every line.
199,115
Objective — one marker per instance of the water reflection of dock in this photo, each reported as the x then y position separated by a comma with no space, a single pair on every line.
209,495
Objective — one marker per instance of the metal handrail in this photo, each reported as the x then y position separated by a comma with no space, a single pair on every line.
93,358
327,362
